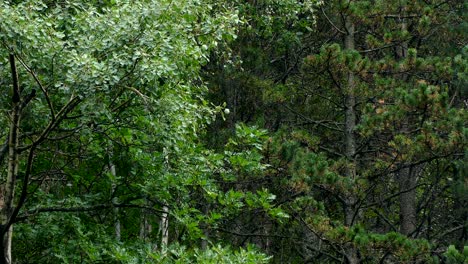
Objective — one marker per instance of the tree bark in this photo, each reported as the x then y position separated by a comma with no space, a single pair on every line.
350,142
164,228
8,190
407,199
145,226
407,176
114,199
164,224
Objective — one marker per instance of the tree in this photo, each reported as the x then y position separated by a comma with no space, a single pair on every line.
337,131
105,117
366,133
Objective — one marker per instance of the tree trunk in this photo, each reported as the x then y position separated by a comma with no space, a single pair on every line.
145,226
114,199
350,142
406,176
164,228
8,190
407,199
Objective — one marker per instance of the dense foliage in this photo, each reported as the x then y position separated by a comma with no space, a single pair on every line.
203,131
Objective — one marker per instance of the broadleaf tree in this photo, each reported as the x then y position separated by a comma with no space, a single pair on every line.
104,120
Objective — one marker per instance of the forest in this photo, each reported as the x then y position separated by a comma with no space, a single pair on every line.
234,131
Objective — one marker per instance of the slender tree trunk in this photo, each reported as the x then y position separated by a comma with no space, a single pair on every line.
8,190
164,228
350,142
406,176
407,199
114,200
164,224
145,226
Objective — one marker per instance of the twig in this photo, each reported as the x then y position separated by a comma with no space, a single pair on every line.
331,23
44,91
81,209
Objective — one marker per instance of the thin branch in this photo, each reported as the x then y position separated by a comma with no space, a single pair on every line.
331,151
14,74
44,91
320,252
408,165
138,92
318,93
248,235
28,99
331,23
79,209
319,123
376,49
337,84
74,101
394,228
337,196
319,236
391,196
64,136
401,17
448,232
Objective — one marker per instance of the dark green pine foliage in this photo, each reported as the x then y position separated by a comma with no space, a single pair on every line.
409,72
410,118
336,131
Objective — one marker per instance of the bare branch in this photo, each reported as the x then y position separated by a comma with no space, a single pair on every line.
248,235
74,101
44,91
331,23
448,232
81,209
14,75
312,121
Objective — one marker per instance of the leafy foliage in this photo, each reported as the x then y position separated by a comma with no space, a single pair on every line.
205,131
